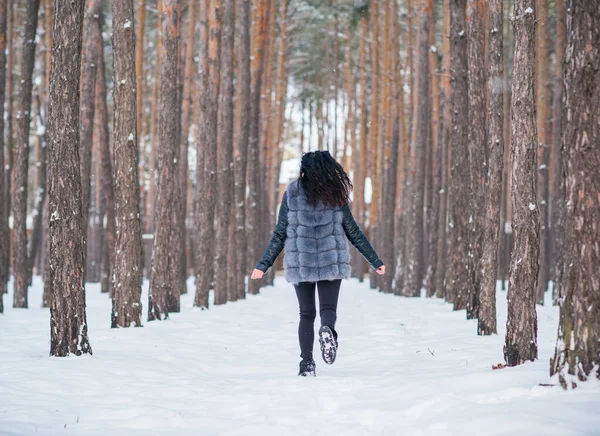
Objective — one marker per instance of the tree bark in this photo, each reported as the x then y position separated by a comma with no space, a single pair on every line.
477,149
542,96
200,219
22,157
87,106
105,178
577,355
457,277
165,279
186,118
206,225
521,324
10,63
4,235
127,267
241,161
558,191
68,324
225,164
413,266
257,65
444,138
495,144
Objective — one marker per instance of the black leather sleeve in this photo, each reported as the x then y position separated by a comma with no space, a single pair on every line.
359,240
277,240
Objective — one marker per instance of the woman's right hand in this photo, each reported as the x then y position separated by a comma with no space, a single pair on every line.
257,274
381,270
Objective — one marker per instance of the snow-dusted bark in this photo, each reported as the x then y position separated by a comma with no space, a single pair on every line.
457,279
127,267
4,262
165,279
225,163
495,145
68,324
577,355
521,326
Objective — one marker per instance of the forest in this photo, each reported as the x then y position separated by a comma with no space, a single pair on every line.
152,141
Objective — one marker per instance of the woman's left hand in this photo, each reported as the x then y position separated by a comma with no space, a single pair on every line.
381,270
257,274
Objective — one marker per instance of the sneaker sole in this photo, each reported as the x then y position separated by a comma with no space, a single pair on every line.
308,374
328,346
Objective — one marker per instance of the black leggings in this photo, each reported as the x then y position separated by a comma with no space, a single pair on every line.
328,298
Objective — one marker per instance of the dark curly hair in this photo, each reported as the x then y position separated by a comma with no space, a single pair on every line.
323,179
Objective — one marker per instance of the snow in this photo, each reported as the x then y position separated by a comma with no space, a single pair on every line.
405,366
528,11
127,24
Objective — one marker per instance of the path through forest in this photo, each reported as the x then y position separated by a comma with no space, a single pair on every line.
405,366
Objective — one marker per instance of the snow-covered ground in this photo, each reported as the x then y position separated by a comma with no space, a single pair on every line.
405,367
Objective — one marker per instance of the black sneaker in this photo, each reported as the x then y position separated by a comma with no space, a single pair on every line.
329,344
307,368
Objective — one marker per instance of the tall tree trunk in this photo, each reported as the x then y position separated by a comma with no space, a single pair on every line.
205,224
521,324
391,142
139,64
495,144
165,279
186,117
435,173
241,160
106,178
477,149
225,164
4,235
413,266
87,106
558,192
361,173
443,147
68,324
128,263
457,277
22,156
577,355
257,66
201,297
542,96
10,63
375,119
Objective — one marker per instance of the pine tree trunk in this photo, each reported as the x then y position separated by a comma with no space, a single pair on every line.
495,145
577,355
205,224
87,106
361,171
68,324
413,266
201,297
542,96
225,164
435,173
253,224
444,138
521,324
558,191
140,24
165,279
477,149
186,117
4,235
10,64
241,161
22,157
457,277
127,267
105,178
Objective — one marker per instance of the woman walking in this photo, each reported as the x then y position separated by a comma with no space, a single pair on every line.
313,224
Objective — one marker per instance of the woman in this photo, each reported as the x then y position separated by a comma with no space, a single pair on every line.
314,221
